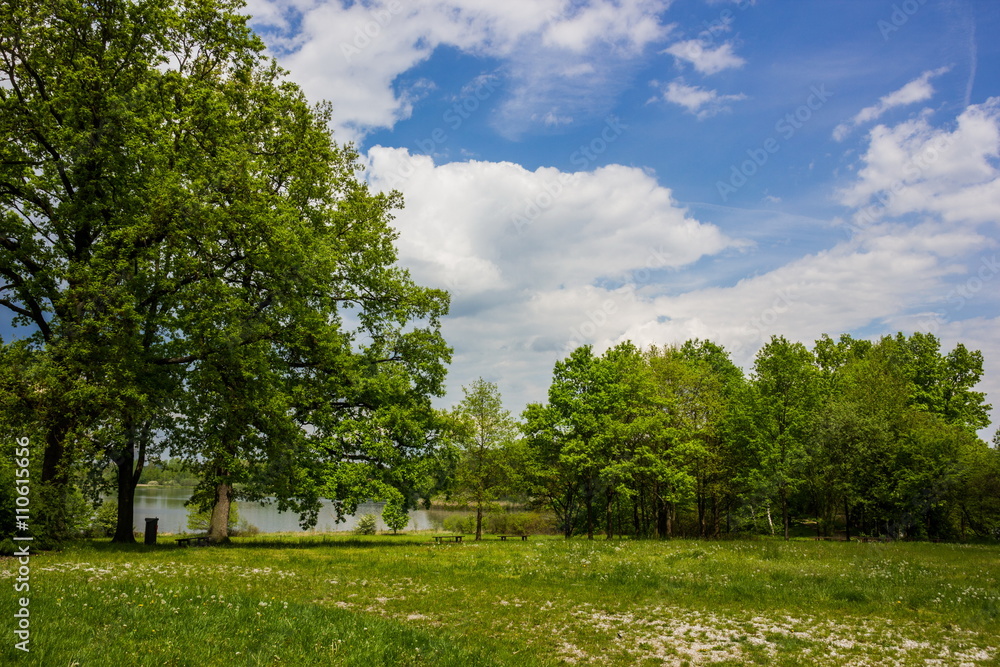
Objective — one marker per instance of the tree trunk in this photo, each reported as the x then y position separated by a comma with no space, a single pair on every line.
218,528
847,518
701,510
716,518
479,521
590,517
661,520
784,511
589,503
609,515
124,531
54,485
129,472
567,515
635,517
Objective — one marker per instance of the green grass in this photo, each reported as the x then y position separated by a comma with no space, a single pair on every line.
400,600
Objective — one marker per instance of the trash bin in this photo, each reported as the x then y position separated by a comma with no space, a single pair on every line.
151,530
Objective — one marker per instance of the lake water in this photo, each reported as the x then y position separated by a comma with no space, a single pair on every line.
167,504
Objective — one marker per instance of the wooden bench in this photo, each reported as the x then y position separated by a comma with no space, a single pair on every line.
446,538
199,540
503,538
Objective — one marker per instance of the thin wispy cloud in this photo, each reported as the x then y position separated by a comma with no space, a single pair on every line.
700,102
918,90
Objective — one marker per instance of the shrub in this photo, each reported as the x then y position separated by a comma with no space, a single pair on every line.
7,547
519,523
104,520
367,525
464,524
245,529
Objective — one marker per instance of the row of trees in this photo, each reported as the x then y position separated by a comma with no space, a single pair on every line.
874,438
198,267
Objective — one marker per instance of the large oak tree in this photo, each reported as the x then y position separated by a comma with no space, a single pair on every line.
196,259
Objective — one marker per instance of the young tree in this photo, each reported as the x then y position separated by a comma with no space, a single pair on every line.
484,434
395,516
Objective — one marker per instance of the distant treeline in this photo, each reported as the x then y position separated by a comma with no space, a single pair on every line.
851,437
168,473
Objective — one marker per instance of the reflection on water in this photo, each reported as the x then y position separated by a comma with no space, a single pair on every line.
167,504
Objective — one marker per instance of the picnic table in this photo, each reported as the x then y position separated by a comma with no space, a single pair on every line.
503,538
446,538
199,540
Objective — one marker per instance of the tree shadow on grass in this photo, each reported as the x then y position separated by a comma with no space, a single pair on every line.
265,542
322,541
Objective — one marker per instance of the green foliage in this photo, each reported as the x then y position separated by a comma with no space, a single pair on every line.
483,434
199,260
853,437
245,529
367,525
502,523
395,517
464,524
104,519
167,473
520,523
783,398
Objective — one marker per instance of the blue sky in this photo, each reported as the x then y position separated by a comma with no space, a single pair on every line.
592,171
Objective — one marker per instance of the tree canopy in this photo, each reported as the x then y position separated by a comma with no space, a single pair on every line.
199,265
869,437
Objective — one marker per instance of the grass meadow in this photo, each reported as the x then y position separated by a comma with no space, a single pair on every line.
403,600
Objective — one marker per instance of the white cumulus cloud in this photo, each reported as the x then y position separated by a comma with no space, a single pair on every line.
560,55
706,60
916,168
